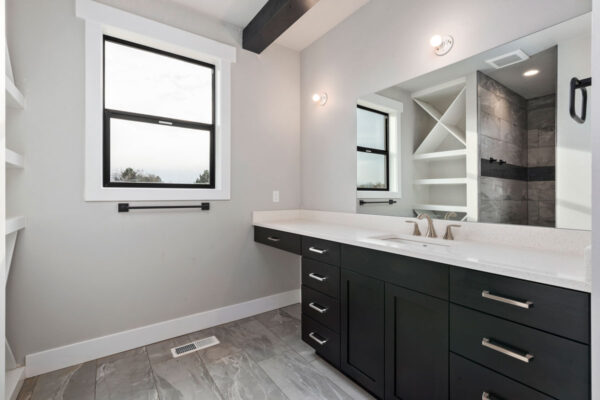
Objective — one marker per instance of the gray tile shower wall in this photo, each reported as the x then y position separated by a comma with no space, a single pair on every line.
521,132
502,118
541,160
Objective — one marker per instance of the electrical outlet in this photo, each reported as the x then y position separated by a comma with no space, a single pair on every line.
275,196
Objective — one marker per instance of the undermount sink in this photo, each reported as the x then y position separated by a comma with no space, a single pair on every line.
411,242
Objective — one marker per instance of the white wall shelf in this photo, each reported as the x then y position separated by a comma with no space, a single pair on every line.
15,224
439,155
441,181
13,382
441,207
14,160
14,97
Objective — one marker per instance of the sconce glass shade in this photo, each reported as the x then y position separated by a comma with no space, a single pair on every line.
320,98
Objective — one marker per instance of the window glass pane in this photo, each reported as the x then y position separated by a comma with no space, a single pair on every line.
371,171
142,152
371,129
144,82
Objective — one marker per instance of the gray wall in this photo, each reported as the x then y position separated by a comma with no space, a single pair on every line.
81,270
384,43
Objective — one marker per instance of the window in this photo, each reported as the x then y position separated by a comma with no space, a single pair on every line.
372,149
159,118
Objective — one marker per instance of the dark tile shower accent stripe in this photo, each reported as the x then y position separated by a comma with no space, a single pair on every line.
541,174
505,171
516,172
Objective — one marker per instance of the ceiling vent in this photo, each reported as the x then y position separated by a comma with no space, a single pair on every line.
507,59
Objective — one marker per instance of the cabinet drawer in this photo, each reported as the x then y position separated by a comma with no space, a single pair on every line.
282,240
321,250
325,342
322,308
557,366
560,311
322,277
471,381
412,273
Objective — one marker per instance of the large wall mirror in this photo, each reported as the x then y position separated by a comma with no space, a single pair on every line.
489,139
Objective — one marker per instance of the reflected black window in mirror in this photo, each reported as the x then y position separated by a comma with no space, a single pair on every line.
159,118
372,149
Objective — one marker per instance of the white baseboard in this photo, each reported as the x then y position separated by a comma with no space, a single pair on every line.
76,353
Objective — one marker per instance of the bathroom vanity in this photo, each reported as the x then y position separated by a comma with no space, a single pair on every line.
433,320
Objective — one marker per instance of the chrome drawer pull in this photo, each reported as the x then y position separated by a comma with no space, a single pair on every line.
273,239
487,396
317,308
516,303
521,357
316,339
318,251
317,277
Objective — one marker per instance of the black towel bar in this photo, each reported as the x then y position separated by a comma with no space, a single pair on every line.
390,202
125,207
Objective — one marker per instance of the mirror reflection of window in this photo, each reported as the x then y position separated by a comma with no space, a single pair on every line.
372,149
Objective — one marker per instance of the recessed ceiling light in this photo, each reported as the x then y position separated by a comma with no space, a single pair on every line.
531,72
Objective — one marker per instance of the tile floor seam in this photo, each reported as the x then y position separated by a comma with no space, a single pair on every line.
152,373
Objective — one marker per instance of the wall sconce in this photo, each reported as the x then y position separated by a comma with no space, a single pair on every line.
441,44
320,98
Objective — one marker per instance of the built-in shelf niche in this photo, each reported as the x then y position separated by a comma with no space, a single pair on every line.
440,156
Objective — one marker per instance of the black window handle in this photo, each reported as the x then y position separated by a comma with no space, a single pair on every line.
575,85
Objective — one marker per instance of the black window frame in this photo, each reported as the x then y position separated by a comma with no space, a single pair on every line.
385,152
109,114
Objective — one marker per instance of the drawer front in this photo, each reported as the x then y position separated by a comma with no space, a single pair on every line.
471,381
557,366
560,311
322,277
282,240
321,250
325,342
411,273
322,308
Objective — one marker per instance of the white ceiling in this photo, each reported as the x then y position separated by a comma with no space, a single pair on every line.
534,86
320,19
317,21
236,12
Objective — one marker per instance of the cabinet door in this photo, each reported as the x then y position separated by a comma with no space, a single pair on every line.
362,330
416,331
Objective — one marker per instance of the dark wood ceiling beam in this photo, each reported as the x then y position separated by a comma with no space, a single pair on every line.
271,21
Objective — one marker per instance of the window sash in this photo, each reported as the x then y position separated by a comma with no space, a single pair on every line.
121,114
165,122
379,151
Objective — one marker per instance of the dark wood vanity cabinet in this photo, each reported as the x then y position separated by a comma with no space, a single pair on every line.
416,345
362,335
409,329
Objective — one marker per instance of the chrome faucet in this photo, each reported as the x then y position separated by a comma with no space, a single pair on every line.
430,228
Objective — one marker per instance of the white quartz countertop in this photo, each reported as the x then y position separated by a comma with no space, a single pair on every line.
563,269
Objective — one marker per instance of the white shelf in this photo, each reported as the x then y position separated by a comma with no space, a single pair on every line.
14,381
440,207
15,224
14,97
437,155
14,160
441,181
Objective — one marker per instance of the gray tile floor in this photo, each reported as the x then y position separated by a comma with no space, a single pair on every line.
262,357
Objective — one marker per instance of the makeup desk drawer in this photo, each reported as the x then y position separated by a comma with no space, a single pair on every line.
281,240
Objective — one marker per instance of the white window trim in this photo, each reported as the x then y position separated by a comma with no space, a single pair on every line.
394,109
101,20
